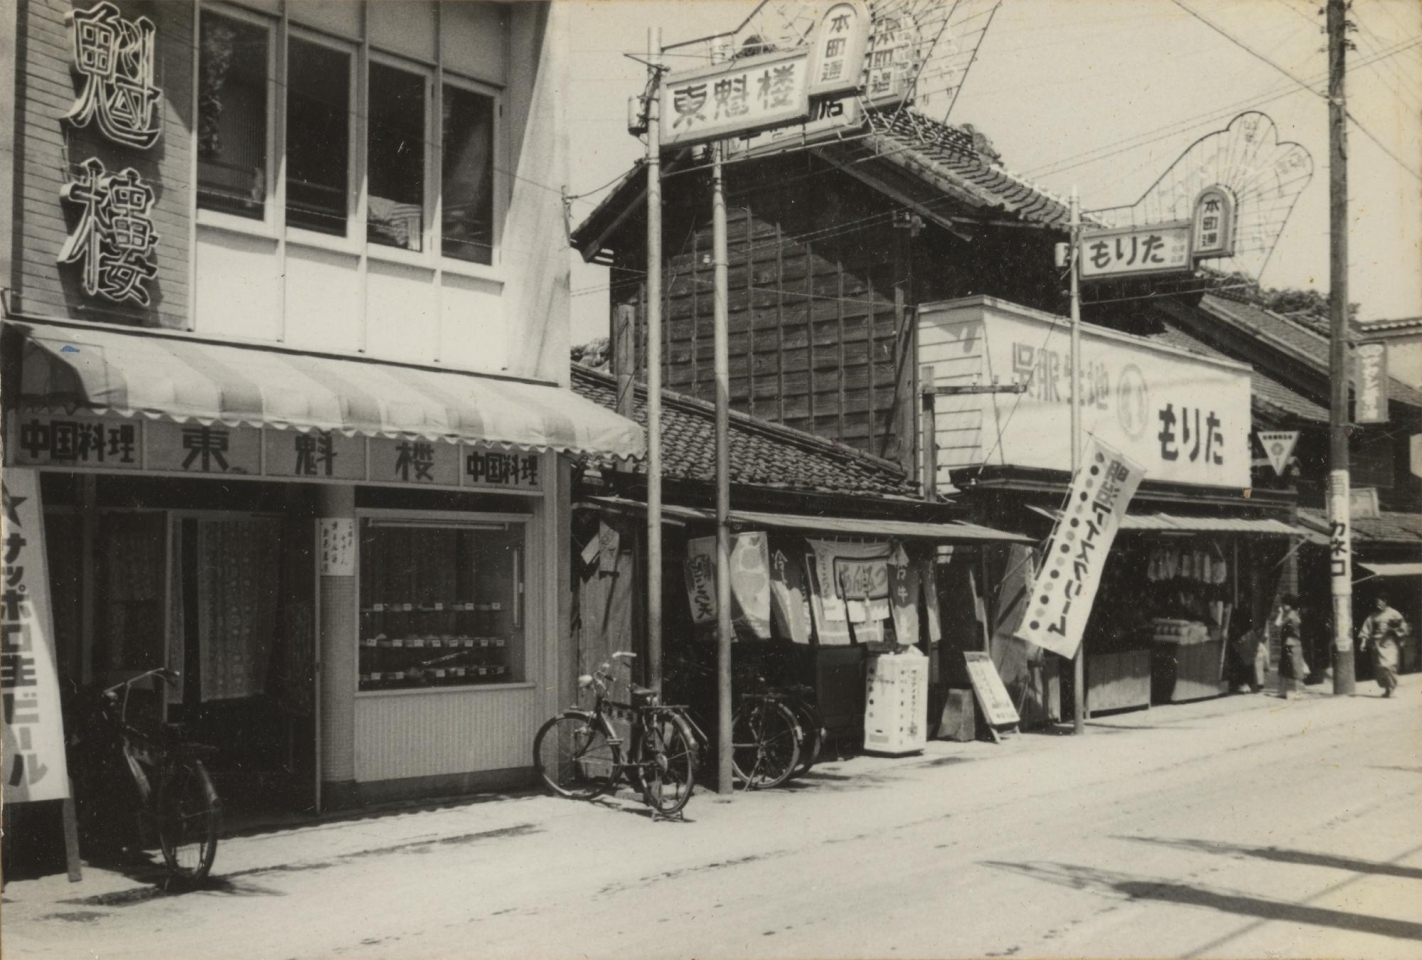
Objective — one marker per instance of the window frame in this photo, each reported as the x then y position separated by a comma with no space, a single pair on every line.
496,160
424,257
528,592
352,242
272,220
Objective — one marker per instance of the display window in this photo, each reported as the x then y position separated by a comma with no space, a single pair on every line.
441,602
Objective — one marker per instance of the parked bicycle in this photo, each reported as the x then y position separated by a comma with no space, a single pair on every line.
580,755
176,798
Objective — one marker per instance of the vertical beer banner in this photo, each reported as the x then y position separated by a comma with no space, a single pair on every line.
1065,589
33,730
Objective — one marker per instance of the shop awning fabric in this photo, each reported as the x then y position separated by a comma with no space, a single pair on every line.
826,526
163,377
1167,523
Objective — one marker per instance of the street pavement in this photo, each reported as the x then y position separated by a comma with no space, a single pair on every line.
1241,827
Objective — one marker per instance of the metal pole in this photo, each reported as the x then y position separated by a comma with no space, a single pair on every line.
1339,519
654,363
723,479
1078,685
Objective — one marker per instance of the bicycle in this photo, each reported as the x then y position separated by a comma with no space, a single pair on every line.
579,755
176,797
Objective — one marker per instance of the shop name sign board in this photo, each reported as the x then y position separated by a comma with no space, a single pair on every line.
115,59
1135,251
1186,418
829,119
1065,588
113,239
78,442
1370,382
32,762
742,96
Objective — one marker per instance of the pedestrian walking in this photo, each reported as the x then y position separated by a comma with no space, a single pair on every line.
1292,668
1384,630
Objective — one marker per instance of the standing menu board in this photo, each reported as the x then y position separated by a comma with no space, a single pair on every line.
992,695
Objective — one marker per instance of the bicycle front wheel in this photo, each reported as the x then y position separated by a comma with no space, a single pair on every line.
189,814
765,744
812,730
575,758
668,763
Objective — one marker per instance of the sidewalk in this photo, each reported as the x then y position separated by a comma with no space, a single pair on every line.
347,838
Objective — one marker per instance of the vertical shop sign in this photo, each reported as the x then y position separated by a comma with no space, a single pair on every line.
1370,382
750,584
1214,224
838,60
337,546
33,730
114,238
789,594
1065,588
114,57
701,578
1340,548
904,588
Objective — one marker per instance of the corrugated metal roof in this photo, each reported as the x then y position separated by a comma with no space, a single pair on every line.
1167,523
1384,528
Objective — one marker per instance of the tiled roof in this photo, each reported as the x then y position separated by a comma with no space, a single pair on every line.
1266,391
762,453
948,157
1292,337
1385,527
1388,326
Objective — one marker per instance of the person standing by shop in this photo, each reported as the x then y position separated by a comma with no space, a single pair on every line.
1384,629
1292,668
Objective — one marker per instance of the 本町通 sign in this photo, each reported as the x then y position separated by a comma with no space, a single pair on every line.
1133,251
742,96
837,64
1065,588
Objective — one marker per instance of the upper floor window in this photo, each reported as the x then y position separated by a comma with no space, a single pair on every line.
427,145
318,115
232,116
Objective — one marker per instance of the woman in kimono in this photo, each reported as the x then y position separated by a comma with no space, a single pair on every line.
1292,668
1384,630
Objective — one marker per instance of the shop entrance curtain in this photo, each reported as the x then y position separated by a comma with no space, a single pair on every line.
238,568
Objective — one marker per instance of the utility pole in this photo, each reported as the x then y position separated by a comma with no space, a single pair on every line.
654,361
1078,685
721,323
1340,537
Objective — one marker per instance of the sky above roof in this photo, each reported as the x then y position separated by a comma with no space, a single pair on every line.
1104,95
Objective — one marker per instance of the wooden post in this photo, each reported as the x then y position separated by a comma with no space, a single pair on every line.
71,837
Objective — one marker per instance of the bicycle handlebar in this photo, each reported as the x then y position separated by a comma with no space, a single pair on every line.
167,674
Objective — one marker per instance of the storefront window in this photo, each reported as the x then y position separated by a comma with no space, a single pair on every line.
441,603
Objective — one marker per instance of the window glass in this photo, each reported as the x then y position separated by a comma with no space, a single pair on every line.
232,116
440,606
130,594
317,136
467,165
396,159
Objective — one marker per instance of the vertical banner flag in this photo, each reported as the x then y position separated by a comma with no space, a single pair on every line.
903,595
1278,446
33,729
790,596
1370,382
1065,588
750,583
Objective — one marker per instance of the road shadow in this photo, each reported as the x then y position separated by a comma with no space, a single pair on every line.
1131,887
1300,857
137,895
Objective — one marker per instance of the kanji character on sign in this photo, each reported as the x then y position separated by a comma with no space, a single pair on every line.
730,96
688,102
115,58
207,444
315,453
417,456
114,238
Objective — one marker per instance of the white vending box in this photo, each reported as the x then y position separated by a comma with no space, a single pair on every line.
896,703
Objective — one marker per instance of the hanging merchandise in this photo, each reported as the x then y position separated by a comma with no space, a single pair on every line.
831,626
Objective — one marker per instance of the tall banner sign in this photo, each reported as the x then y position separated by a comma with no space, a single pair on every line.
1340,559
1370,382
33,729
750,583
1065,588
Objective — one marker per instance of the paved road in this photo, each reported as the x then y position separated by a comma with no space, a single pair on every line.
1238,827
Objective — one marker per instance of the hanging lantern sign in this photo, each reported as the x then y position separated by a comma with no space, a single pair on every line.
837,60
1214,224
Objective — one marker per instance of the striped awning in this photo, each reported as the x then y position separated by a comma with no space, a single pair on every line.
183,379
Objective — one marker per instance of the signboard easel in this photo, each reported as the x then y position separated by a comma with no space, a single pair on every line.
992,696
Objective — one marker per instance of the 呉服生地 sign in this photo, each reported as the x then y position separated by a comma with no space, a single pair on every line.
1185,418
